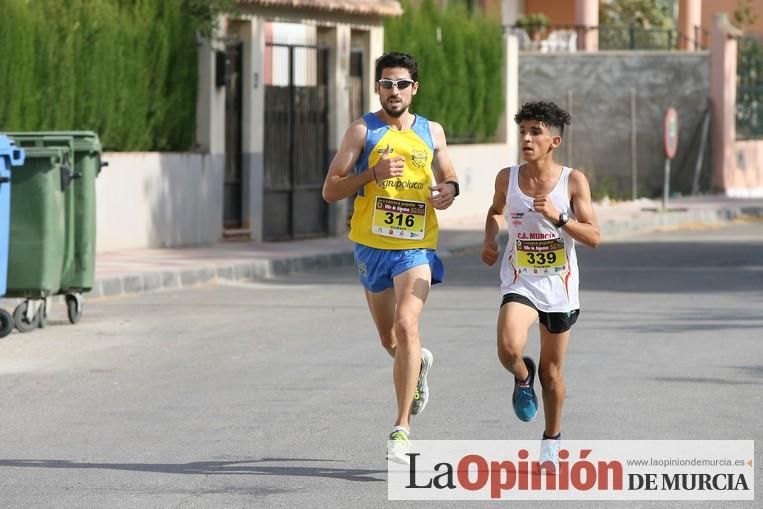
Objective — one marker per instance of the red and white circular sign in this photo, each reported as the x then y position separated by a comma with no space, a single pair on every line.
671,133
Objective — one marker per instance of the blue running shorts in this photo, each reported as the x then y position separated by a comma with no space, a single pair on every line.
377,267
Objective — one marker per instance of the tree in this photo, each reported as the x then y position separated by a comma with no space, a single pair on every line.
204,13
535,24
643,13
460,57
749,75
744,15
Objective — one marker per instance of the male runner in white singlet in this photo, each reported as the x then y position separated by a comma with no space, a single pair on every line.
547,208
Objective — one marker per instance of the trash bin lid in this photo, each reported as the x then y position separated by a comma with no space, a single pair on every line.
59,153
86,141
83,141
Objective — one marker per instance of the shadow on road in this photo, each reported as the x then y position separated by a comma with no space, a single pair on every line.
242,467
631,267
673,267
701,380
674,320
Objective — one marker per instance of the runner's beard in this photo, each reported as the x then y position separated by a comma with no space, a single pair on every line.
393,113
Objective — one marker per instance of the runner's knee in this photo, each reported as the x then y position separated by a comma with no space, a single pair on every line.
407,330
509,353
551,376
388,340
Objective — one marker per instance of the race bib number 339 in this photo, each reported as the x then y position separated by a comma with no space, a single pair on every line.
541,257
401,219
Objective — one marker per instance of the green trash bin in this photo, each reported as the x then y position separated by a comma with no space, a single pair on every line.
78,271
38,231
87,165
53,139
79,261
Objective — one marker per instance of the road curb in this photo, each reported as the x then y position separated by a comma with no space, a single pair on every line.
674,219
256,270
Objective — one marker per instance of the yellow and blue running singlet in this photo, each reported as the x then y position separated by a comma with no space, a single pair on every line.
396,213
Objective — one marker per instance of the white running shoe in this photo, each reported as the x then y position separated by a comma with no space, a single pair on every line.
549,453
421,396
398,445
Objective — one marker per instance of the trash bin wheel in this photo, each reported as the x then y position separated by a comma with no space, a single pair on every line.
19,316
6,323
73,307
43,313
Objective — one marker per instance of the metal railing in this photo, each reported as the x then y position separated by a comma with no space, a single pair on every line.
563,38
636,38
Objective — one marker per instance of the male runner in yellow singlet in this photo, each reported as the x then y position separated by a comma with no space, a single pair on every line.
397,166
547,208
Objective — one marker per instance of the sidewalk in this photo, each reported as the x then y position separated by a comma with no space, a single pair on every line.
135,271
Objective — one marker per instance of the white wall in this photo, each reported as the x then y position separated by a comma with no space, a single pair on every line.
476,166
153,200
148,200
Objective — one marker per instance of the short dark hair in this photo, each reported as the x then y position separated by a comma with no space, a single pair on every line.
397,59
547,112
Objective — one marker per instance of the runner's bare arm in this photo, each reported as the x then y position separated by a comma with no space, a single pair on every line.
340,181
495,220
585,227
443,170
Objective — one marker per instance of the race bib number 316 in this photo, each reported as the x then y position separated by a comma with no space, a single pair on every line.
541,257
402,219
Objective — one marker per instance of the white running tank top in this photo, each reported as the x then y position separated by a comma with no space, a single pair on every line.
539,261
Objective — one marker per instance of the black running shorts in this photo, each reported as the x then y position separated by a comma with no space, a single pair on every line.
556,323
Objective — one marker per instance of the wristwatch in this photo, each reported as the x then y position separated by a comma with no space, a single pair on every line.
563,218
455,186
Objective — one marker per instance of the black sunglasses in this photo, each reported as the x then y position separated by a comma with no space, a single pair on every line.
400,84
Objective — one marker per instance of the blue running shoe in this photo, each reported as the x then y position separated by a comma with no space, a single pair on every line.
524,400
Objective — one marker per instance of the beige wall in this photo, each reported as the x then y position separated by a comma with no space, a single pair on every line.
559,12
746,179
477,166
737,165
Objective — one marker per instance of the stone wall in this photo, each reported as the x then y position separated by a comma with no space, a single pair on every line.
597,87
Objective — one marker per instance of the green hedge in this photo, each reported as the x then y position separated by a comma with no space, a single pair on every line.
123,68
461,82
749,106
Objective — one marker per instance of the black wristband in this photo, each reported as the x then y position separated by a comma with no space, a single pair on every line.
455,186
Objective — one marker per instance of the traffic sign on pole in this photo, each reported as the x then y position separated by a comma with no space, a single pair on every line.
671,133
671,146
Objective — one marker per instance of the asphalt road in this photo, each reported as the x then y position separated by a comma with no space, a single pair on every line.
278,394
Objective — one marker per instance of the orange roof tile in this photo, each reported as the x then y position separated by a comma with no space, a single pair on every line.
356,7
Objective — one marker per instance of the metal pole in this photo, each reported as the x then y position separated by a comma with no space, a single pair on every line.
632,33
634,163
666,185
292,142
701,155
569,132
